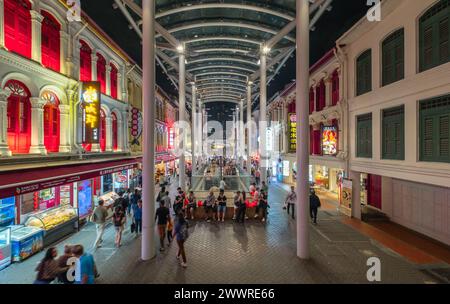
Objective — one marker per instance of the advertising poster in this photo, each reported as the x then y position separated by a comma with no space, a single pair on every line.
346,200
90,103
329,140
84,198
292,132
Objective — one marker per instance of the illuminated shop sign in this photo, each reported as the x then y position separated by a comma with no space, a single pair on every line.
292,132
136,126
329,140
90,103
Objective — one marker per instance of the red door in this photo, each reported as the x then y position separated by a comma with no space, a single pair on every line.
50,42
51,122
19,117
374,191
85,62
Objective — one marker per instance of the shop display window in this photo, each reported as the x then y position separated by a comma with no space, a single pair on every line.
7,211
46,199
107,183
50,219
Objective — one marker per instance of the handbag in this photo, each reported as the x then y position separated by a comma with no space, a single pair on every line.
133,227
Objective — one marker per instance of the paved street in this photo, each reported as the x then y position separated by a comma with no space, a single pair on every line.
250,253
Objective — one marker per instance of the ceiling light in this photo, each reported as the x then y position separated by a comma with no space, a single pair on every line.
180,48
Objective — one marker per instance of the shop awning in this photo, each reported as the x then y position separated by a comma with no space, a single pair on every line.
166,157
29,180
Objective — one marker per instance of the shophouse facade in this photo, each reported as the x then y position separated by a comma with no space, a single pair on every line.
399,111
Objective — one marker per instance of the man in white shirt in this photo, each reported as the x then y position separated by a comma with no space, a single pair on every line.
290,202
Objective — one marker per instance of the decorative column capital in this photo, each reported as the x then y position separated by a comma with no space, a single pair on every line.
37,103
64,109
4,94
36,16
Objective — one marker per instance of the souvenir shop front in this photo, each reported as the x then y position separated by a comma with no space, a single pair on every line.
40,207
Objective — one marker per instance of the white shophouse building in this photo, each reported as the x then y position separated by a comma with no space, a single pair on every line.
398,75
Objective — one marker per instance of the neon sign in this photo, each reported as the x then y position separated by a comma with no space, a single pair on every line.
292,132
90,103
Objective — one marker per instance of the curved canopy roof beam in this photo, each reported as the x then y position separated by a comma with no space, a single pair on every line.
221,80
232,50
226,24
219,100
223,38
225,58
222,86
225,5
217,95
221,90
207,67
222,73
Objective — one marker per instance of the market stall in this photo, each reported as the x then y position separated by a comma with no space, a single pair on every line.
7,211
56,223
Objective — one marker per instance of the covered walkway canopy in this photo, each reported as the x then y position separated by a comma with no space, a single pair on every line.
229,51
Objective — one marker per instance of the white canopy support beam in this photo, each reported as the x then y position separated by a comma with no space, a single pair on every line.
285,54
230,67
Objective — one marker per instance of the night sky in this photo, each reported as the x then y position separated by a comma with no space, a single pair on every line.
331,26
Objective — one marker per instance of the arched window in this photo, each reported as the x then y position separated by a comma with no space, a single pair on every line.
50,42
434,36
364,73
335,88
393,57
18,117
101,72
113,81
85,62
51,121
102,131
18,26
114,132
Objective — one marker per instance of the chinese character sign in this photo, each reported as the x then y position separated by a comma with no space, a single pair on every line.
292,132
329,140
90,101
136,126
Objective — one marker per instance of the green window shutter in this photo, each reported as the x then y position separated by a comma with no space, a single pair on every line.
364,73
393,57
434,36
435,129
393,141
364,136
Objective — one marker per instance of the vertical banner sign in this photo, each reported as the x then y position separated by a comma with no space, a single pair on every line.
90,103
329,140
136,126
171,138
269,140
346,200
292,132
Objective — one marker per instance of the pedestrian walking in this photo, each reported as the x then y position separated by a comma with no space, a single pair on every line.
86,270
99,217
119,222
167,201
137,217
162,217
290,202
258,176
48,269
62,263
181,234
314,205
242,208
161,194
179,202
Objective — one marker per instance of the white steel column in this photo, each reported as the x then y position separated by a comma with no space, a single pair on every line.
4,148
37,126
302,107
194,127
148,249
182,101
249,126
263,116
36,25
241,133
108,80
64,120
